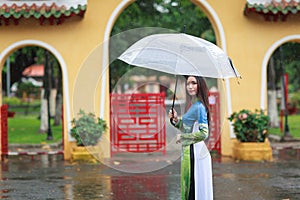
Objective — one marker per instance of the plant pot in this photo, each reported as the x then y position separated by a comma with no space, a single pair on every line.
252,151
85,154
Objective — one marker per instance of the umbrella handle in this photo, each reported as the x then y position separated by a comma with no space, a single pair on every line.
172,109
171,121
174,96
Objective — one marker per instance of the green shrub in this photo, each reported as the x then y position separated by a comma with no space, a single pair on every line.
295,98
250,126
11,100
28,88
87,129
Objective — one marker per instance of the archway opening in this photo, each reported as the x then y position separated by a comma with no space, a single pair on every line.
283,84
32,89
164,17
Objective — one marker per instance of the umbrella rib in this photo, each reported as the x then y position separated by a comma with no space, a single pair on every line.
145,46
231,64
193,39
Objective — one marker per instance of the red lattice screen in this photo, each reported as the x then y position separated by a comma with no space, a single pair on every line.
138,122
214,142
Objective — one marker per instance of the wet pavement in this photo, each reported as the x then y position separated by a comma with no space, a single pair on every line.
50,177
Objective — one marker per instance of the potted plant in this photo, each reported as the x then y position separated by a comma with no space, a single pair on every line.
251,130
250,126
87,130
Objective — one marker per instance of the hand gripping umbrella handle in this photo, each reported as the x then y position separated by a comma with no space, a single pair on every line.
174,96
171,120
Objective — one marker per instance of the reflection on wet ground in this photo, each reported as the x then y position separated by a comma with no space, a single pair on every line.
49,177
289,154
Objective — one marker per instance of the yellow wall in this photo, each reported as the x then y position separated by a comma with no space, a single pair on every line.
247,39
74,40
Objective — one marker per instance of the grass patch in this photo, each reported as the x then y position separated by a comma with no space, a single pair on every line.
294,127
25,130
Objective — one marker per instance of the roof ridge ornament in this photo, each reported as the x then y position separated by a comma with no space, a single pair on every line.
55,11
272,10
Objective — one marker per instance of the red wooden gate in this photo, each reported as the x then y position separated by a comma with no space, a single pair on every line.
214,142
138,122
4,130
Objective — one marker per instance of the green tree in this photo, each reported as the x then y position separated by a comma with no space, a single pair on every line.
285,59
291,64
177,15
288,61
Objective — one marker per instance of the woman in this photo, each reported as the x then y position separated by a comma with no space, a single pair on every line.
196,169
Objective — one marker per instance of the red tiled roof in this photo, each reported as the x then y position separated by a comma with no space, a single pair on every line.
273,9
34,71
54,11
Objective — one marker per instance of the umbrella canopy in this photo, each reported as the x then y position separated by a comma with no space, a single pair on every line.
180,54
34,71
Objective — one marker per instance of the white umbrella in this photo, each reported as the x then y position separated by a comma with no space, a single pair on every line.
180,54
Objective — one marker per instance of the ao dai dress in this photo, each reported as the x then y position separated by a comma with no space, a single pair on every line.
196,168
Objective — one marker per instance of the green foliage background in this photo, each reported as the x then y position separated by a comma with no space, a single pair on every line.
176,15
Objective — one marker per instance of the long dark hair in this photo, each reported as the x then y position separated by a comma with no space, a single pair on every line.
202,95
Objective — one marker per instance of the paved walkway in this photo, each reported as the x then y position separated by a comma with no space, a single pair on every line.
146,177
35,149
285,145
16,149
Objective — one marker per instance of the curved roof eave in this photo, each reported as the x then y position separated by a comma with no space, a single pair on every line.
53,10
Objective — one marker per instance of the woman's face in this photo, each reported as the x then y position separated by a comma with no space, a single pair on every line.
192,86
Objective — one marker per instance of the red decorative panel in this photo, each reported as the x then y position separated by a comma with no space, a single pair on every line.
214,142
138,122
4,130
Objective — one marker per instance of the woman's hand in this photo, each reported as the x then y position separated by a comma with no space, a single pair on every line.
173,115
